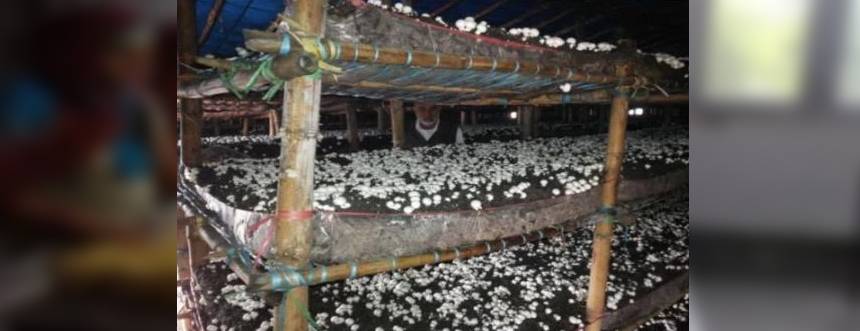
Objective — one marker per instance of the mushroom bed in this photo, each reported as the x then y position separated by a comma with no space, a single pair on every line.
537,286
440,178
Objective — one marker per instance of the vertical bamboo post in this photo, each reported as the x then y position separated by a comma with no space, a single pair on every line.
397,129
462,118
474,116
191,122
536,122
520,117
527,124
380,119
602,242
352,129
295,184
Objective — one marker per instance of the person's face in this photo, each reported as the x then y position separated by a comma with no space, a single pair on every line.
425,113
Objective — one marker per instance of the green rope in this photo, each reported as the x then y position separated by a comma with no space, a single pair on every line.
276,83
306,314
227,80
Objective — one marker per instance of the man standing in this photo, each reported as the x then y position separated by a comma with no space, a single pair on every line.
429,130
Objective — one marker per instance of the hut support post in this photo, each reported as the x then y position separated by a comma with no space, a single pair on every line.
352,129
462,118
397,129
192,109
474,115
536,122
380,119
527,124
294,235
602,243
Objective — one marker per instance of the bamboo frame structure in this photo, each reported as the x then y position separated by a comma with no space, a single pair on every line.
301,110
294,235
602,242
333,50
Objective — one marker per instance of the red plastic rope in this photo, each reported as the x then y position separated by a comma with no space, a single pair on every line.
430,213
292,215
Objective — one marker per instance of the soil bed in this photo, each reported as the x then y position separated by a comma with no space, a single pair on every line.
441,178
539,286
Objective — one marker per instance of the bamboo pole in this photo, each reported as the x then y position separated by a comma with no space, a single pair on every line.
294,235
380,119
602,242
397,125
220,246
370,54
352,129
421,88
596,97
527,124
474,117
285,279
214,12
191,121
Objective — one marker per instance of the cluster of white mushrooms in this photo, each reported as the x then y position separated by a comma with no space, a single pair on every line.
538,286
448,177
469,24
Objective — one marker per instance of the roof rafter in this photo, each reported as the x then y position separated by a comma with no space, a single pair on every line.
489,9
534,11
576,27
555,18
604,32
444,7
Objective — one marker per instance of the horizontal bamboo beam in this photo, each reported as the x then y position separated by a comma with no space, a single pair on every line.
237,114
221,246
369,54
421,88
281,280
597,97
